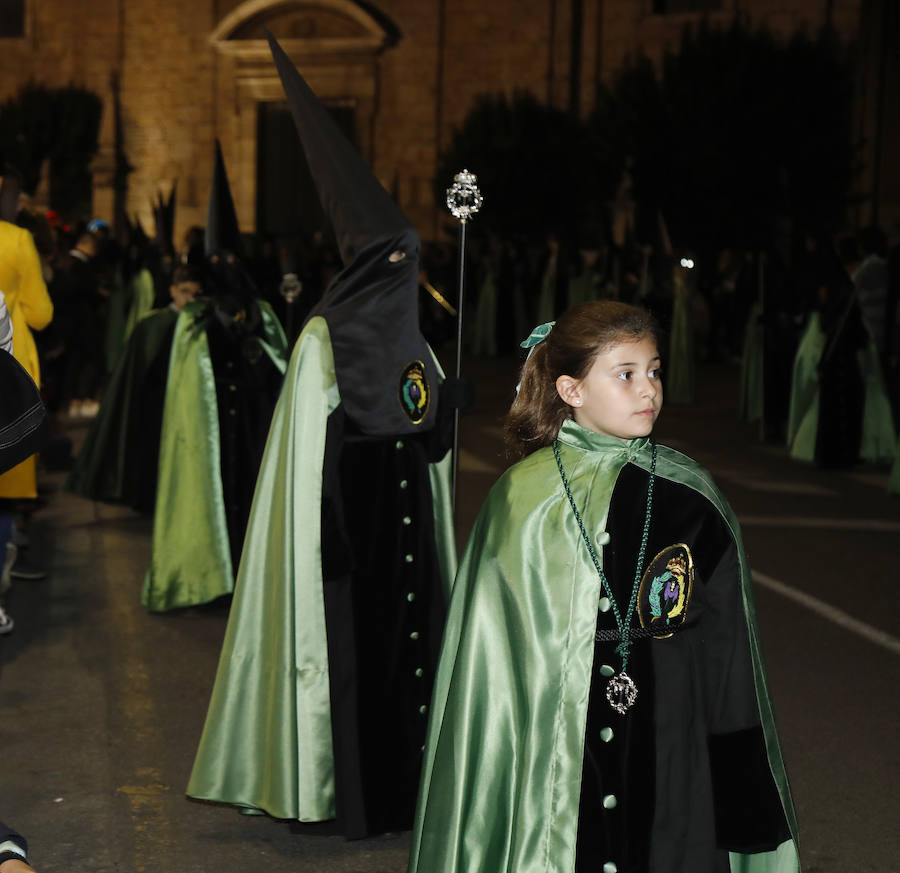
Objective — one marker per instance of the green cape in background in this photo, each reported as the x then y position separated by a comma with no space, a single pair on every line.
190,562
679,372
109,466
750,394
128,304
879,439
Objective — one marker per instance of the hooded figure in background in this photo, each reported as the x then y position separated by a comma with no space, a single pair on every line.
225,372
118,461
132,294
321,698
163,260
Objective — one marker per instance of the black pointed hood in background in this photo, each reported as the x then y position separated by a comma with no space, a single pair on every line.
386,376
164,220
223,235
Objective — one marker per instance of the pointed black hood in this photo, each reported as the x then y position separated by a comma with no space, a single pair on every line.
386,376
164,220
222,233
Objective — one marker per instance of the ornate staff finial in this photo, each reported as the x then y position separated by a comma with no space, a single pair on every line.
463,197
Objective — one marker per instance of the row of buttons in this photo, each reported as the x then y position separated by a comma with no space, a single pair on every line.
606,734
409,559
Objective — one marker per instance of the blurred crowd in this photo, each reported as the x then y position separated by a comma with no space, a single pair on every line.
753,308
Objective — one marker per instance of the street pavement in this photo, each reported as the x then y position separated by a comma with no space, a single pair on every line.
102,704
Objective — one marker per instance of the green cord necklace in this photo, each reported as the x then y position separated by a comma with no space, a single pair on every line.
621,692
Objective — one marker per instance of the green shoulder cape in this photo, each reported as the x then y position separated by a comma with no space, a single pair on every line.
190,562
878,439
502,774
266,744
107,467
750,396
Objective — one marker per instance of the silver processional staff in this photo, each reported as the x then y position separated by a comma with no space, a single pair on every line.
463,200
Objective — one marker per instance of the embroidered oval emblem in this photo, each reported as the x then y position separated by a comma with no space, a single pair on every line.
415,394
665,591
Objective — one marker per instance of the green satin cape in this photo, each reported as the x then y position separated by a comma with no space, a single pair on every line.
878,440
142,294
894,480
502,774
266,744
104,468
680,381
803,409
128,304
190,561
750,396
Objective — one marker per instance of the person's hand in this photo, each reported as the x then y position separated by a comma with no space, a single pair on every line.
16,866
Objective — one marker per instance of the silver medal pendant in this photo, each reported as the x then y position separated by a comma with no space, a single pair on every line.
621,692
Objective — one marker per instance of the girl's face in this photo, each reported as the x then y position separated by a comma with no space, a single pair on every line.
621,395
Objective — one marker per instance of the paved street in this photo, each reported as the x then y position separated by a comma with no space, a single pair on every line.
101,703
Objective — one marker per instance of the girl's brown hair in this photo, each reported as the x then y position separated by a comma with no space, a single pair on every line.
582,333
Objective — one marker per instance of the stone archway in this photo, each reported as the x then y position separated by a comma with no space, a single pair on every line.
334,43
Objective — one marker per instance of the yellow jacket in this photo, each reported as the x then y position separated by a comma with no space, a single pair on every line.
29,304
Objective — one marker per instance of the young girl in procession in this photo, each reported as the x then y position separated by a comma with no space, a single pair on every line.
601,703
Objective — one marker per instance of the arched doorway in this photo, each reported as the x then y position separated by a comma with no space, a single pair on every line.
335,44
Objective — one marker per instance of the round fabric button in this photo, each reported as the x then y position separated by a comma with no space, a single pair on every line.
609,801
606,734
606,670
604,604
414,635
411,596
420,672
407,520
408,559
423,709
609,867
398,444
404,483
602,538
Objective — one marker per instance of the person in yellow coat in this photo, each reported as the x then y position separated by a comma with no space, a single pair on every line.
29,307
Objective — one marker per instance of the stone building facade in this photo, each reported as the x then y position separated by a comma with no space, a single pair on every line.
400,73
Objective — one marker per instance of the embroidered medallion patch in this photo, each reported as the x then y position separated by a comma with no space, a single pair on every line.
415,395
665,591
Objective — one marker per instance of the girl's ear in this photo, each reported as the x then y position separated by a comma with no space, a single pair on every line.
569,390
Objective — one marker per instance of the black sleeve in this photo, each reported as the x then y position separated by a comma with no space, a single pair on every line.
748,809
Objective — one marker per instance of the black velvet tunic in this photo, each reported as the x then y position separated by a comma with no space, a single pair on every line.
687,763
384,609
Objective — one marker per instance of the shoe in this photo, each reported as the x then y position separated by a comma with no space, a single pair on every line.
6,622
22,570
5,580
20,538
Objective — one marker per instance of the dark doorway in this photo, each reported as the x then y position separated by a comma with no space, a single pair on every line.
287,206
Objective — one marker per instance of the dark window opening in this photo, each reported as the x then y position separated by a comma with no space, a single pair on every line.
287,202
12,19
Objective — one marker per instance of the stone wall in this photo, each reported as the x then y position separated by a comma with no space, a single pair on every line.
185,81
